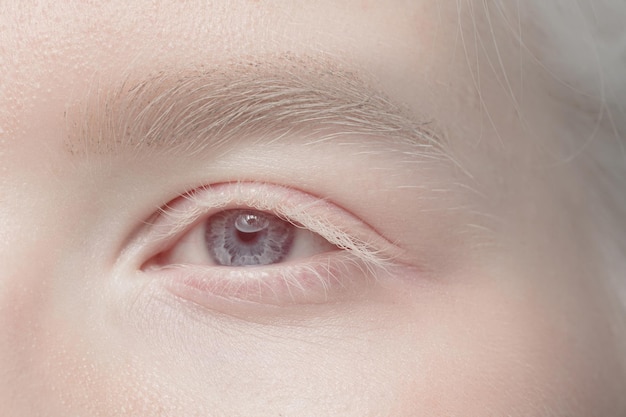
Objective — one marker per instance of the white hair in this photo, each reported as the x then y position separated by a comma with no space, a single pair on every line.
581,44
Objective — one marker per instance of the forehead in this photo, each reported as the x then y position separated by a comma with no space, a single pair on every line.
88,32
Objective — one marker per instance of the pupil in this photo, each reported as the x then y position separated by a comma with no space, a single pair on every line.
247,237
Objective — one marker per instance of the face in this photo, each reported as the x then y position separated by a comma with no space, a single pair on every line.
290,208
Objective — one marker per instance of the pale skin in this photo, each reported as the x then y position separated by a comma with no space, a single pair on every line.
485,306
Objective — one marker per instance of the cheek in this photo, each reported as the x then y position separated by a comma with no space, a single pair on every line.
486,351
459,350
48,362
57,355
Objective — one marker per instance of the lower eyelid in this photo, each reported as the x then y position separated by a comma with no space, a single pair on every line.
322,279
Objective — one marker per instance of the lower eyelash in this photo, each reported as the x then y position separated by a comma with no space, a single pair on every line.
321,279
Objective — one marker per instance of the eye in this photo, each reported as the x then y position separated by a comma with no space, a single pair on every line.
262,243
245,238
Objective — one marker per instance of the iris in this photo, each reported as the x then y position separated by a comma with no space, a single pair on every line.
248,238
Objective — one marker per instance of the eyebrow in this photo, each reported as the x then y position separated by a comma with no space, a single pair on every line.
191,111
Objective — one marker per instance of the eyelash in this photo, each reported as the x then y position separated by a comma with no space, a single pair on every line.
362,253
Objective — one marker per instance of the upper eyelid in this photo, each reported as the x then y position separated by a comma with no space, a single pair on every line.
304,210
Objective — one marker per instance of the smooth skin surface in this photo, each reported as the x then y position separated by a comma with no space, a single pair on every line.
407,136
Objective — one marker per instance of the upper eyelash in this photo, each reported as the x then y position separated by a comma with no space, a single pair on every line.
264,197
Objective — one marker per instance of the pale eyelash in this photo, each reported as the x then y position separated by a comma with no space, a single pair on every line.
371,254
329,276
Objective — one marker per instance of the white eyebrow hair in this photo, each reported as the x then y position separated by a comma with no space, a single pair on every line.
185,112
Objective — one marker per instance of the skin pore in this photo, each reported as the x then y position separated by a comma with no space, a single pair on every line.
419,140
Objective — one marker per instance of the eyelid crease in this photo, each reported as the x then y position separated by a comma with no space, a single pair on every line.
362,241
